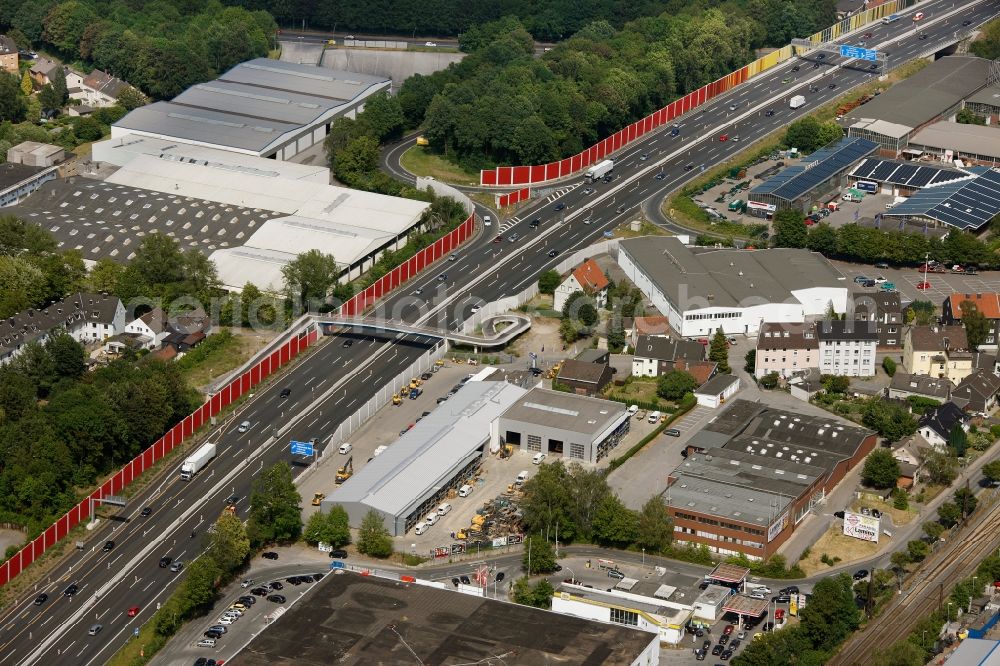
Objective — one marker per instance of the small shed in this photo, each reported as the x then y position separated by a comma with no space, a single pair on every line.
804,390
717,390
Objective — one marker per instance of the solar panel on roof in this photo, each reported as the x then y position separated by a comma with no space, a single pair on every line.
883,171
836,160
964,204
865,169
922,177
904,173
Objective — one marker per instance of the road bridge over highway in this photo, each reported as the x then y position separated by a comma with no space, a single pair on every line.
504,328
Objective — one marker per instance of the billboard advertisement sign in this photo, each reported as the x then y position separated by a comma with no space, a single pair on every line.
777,527
762,206
866,186
861,527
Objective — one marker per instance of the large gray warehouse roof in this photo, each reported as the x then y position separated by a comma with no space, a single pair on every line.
966,139
729,278
566,411
927,94
429,454
253,105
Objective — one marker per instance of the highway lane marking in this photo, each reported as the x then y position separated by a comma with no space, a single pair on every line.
7,661
310,380
149,585
82,650
309,425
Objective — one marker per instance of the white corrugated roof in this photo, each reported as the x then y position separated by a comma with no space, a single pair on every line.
239,265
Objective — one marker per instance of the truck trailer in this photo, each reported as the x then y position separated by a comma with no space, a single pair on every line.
197,461
796,102
600,170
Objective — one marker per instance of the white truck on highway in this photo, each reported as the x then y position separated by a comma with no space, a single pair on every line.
197,461
600,170
796,102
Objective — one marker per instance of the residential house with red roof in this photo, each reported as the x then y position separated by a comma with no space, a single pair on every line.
588,278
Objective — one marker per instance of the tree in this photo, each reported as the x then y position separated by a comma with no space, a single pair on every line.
933,529
13,105
27,87
539,556
49,98
881,469
332,527
310,277
837,384
889,420
655,531
949,513
87,129
68,356
580,308
900,559
750,361
373,537
977,326
568,331
789,228
131,98
804,134
958,440
357,160
538,595
675,384
548,501
769,381
939,468
901,653
616,334
718,351
967,117
966,501
229,544
59,86
831,614
548,281
615,524
889,366
991,471
917,550
275,515
922,312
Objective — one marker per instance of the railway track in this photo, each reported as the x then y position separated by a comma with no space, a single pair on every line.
941,572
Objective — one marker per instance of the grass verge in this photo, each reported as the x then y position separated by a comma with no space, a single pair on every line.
834,544
215,356
419,161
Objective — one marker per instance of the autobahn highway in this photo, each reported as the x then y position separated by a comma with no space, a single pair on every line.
331,382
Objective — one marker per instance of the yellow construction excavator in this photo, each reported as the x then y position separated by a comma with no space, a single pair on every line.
346,471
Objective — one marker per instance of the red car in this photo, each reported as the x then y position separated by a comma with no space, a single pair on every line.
728,630
723,137
924,285
132,612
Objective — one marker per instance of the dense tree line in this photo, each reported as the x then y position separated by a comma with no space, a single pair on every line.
161,48
988,44
867,245
547,20
61,428
503,105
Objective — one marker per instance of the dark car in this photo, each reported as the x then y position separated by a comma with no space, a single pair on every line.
339,553
259,591
781,598
108,546
661,176
832,86
455,582
317,577
559,206
247,600
769,113
347,343
269,555
232,499
145,512
672,432
553,253
873,66
791,589
71,590
465,580
500,576
534,223
723,639
796,68
212,633
726,656
293,580
820,56
815,65
861,574
966,23
276,585
426,376
768,626
703,585
706,645
276,598
688,166
615,573
285,392
717,650
165,561
923,35
734,645
442,277
699,654
41,599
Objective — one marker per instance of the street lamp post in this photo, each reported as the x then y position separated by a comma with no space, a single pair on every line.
949,612
643,557
974,579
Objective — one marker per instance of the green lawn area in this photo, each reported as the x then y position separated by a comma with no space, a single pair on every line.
638,389
421,162
220,353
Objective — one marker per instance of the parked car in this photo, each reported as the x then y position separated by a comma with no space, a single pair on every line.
276,598
861,574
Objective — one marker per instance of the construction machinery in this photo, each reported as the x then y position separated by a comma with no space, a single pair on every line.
345,471
439,363
397,399
318,499
415,383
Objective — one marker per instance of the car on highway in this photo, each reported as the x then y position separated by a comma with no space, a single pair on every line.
559,206
452,257
735,137
832,86
430,44
534,223
347,343
787,79
796,68
553,253
723,137
165,561
688,166
442,277
108,546
867,35
820,56
919,16
95,629
41,599
922,36
475,309
672,432
498,239
177,566
872,67
661,176
276,598
243,427
145,512
643,157
621,209
588,190
513,237
269,555
769,113
133,611
285,392
966,23
247,582
815,65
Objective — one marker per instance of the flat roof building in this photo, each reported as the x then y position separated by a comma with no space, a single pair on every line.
442,452
268,108
650,613
937,91
701,290
573,427
817,177
966,204
362,620
970,145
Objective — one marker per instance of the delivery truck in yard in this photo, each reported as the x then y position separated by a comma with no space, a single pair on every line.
797,101
600,170
197,461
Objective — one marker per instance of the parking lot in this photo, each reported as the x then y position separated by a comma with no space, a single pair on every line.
906,280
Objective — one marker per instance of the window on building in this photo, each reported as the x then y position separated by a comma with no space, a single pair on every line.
622,616
576,451
534,443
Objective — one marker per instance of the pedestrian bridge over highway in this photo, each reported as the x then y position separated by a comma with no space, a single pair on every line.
500,329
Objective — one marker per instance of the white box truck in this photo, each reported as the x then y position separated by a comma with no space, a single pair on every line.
600,170
797,101
197,461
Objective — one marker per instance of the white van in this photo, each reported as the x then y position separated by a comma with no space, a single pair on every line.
244,426
487,220
420,528
444,508
465,491
431,518
345,448
633,409
206,642
537,460
379,450
522,477
655,417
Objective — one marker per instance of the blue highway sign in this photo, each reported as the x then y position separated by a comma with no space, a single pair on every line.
302,448
857,53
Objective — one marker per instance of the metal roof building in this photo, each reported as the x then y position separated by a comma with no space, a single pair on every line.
263,107
965,204
736,290
905,175
969,144
801,185
936,91
413,476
